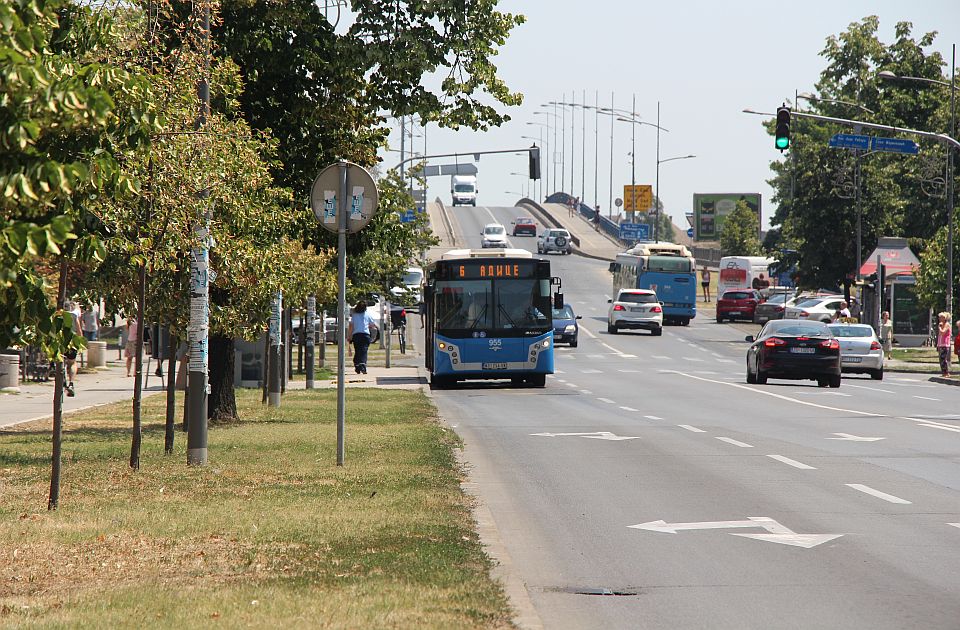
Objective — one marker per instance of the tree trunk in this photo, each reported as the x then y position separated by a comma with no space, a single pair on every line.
171,394
222,404
138,375
53,501
266,367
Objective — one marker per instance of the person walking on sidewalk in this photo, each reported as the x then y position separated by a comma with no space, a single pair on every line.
90,322
943,342
360,332
705,282
596,221
70,357
130,349
886,334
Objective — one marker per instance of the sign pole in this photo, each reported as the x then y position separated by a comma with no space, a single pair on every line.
276,356
344,208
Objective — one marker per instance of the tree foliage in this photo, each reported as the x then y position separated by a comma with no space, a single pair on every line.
740,234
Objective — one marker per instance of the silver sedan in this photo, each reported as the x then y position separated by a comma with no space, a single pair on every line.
860,350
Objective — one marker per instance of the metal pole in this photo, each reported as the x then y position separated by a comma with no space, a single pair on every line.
583,148
612,117
656,192
856,202
199,295
323,339
596,148
386,331
341,310
309,333
950,177
553,147
633,160
563,143
276,358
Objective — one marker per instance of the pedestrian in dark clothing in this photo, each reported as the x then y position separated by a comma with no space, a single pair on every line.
360,332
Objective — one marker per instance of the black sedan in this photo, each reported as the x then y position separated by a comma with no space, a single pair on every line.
788,348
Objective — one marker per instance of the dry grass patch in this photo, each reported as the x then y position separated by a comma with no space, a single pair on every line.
270,533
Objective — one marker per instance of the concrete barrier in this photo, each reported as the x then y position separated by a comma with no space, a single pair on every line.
96,354
10,372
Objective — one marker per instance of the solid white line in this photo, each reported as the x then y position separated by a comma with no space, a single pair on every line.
734,442
878,494
606,400
653,417
629,409
942,428
691,428
791,462
927,398
872,389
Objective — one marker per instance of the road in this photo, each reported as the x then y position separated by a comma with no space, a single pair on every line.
760,506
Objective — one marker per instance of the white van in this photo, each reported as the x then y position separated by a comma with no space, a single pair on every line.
738,272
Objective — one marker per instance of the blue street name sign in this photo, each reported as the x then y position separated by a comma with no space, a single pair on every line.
408,216
849,141
895,145
634,232
690,233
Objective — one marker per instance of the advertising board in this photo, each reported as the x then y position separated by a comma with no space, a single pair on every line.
711,209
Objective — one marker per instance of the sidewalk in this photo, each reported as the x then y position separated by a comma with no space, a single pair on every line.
397,377
591,242
35,400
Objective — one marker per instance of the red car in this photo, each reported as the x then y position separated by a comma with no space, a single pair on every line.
524,225
738,304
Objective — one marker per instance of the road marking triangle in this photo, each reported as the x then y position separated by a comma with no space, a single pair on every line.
806,541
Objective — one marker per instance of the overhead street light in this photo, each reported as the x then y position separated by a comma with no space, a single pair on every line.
887,75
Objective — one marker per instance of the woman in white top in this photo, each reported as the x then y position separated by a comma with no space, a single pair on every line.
360,332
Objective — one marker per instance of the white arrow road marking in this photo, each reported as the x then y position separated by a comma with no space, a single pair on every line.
878,494
585,391
596,435
791,462
954,524
855,438
778,533
735,442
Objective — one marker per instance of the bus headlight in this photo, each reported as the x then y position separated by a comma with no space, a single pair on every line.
442,346
545,344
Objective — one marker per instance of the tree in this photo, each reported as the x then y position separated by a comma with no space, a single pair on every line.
931,276
740,234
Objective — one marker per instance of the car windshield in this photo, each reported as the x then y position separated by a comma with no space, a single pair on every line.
463,188
808,302
563,313
736,295
493,229
516,304
637,298
798,329
413,278
851,331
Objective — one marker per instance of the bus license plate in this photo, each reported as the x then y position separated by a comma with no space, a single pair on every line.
494,366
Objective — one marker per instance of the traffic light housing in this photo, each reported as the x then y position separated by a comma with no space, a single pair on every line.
534,162
782,138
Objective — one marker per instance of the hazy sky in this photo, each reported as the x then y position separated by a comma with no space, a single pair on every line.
704,61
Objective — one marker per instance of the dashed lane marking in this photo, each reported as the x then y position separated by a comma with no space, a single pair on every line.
590,371
658,356
927,398
872,389
606,400
653,417
880,495
691,428
629,371
791,462
585,391
734,442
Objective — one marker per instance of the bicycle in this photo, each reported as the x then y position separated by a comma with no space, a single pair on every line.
402,337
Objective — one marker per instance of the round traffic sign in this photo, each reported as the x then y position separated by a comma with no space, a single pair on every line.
618,202
362,197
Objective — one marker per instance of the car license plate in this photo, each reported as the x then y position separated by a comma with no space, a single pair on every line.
494,366
733,312
637,309
852,359
803,350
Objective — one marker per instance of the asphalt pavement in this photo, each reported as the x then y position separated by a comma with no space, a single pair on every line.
648,486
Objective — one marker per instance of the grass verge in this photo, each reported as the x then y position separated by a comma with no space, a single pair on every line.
270,534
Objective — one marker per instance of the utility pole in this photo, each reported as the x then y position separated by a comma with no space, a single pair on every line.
583,148
656,195
612,117
596,148
563,143
633,158
200,290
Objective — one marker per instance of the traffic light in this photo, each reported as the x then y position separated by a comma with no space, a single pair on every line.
782,140
534,162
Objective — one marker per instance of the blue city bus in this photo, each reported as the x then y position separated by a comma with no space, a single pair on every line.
666,268
488,316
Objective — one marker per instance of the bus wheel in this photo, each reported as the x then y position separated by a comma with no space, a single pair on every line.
537,380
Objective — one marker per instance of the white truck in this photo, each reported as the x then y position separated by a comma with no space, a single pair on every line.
739,272
463,190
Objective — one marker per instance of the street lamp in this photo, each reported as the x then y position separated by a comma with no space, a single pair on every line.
886,75
857,172
563,105
656,194
635,121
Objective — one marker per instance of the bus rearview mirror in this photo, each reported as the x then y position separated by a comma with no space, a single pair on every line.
558,301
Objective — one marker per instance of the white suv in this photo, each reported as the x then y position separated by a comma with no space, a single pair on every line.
493,235
814,309
554,240
635,308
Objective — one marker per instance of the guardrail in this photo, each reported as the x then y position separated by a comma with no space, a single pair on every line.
546,216
447,224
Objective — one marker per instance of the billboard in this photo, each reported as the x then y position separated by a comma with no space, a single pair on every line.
710,210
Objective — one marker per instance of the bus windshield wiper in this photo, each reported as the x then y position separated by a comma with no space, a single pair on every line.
479,316
507,315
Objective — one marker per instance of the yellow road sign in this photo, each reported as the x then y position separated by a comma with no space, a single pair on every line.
637,198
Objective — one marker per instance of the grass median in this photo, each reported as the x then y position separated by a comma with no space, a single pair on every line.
270,533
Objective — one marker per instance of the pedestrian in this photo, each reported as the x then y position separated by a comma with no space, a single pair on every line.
70,356
844,310
360,332
130,349
705,282
422,311
570,207
956,342
886,334
90,322
943,342
596,221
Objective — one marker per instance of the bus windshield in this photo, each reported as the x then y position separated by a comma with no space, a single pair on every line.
673,264
518,305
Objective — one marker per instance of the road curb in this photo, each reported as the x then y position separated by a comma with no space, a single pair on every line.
943,380
542,213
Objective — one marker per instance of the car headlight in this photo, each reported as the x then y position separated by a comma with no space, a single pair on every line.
570,328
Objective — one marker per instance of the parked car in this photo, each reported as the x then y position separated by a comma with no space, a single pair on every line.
493,235
554,240
565,327
635,309
817,309
739,304
791,349
860,350
524,225
773,307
